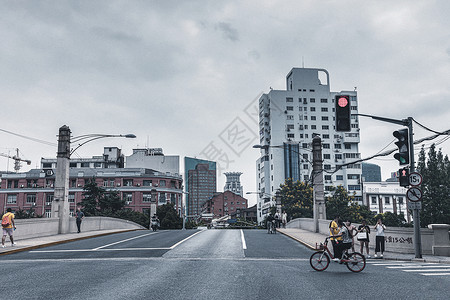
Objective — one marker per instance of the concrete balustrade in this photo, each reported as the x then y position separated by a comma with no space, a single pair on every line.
36,227
435,239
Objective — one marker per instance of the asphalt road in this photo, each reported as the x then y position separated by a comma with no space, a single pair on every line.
208,264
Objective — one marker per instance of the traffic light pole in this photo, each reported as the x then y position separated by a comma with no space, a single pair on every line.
416,212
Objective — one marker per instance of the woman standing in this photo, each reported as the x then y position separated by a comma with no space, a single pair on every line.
351,228
363,237
379,239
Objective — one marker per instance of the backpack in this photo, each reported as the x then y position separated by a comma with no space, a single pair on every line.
6,221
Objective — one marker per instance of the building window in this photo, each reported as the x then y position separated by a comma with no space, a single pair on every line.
162,198
326,136
31,198
326,146
12,199
337,146
323,100
387,200
48,213
128,197
374,200
327,167
128,182
97,165
326,156
146,197
290,108
290,126
324,118
312,100
327,177
162,183
348,146
304,145
313,127
291,135
289,117
325,127
85,165
72,165
147,183
305,166
324,109
71,197
312,109
49,198
400,200
339,177
313,118
289,99
338,156
354,187
352,176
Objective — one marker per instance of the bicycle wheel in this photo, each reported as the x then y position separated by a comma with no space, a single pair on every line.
356,263
319,261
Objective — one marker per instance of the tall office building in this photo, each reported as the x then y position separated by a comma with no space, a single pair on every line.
200,179
289,119
233,183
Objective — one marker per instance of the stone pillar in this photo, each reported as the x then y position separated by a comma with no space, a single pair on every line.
319,211
441,241
60,205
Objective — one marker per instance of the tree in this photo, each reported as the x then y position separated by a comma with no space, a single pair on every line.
435,186
297,199
110,201
341,204
168,217
390,219
93,195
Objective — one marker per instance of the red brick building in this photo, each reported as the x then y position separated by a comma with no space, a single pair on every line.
225,203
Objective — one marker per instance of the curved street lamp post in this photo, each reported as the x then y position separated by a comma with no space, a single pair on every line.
60,205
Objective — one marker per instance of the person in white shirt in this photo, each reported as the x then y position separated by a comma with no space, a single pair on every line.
379,239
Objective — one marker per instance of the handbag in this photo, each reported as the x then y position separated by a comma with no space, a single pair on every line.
361,236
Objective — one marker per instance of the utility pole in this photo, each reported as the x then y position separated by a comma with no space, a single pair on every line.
319,210
60,204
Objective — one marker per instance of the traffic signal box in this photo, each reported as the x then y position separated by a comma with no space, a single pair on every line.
403,146
342,110
403,177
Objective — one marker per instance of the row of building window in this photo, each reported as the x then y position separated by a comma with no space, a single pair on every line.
387,200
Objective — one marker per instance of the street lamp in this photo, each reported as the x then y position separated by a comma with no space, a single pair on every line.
183,210
60,204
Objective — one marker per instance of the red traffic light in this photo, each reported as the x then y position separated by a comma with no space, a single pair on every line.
342,101
342,113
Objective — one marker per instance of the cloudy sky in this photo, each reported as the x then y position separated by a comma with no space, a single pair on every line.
183,75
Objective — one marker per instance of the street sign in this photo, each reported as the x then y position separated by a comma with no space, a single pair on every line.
415,179
414,194
415,205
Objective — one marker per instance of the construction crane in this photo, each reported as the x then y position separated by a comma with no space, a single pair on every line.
17,160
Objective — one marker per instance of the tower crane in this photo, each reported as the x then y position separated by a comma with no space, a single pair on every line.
17,160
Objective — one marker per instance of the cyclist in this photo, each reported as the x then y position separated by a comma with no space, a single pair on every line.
334,231
345,243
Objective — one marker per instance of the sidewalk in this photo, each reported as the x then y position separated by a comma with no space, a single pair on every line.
309,239
39,242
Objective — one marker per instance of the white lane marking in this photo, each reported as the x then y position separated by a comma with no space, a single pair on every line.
435,274
123,241
244,245
182,241
93,250
416,267
429,270
388,264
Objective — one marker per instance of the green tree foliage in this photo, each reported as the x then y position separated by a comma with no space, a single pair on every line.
110,201
341,204
26,214
168,217
435,187
297,199
93,195
390,219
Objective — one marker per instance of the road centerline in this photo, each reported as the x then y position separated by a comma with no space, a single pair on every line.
244,244
182,241
123,241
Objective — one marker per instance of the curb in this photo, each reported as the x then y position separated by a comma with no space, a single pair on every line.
27,248
298,240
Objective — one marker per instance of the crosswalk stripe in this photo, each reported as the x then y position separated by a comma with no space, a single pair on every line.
417,267
428,270
435,274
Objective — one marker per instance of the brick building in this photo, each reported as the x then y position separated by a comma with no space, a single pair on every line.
225,203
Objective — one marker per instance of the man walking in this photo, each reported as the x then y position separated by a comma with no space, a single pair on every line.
8,225
79,215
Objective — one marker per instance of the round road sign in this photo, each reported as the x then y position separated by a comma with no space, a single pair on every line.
415,179
414,194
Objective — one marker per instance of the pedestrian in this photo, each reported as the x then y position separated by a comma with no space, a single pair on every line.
79,215
8,225
362,236
379,239
277,219
334,230
351,228
284,218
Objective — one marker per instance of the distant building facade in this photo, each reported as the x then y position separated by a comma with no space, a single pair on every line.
112,158
153,158
138,186
226,203
371,172
233,183
201,184
383,197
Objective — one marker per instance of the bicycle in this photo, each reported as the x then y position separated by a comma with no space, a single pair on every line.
320,260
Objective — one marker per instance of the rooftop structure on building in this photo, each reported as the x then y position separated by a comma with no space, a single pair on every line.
153,158
112,158
289,119
200,180
233,183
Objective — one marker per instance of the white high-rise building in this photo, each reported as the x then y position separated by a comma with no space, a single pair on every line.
288,121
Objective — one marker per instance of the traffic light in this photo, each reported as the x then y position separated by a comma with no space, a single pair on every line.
403,177
342,105
403,146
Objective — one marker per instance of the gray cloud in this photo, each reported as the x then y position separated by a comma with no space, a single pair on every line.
228,32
